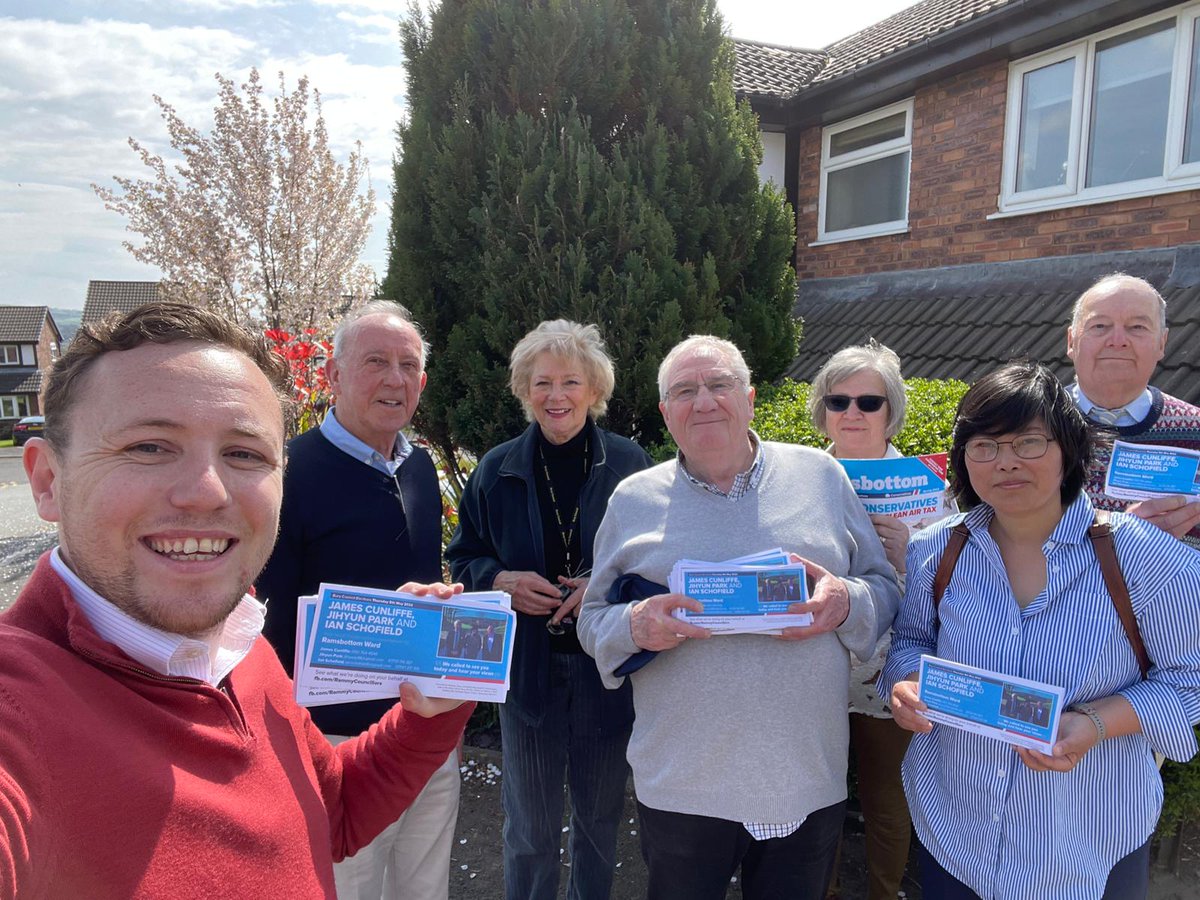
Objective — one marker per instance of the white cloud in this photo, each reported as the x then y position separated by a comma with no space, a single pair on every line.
360,102
72,92
46,60
75,239
375,28
393,8
76,92
209,6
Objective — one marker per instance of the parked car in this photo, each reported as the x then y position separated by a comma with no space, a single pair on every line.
30,426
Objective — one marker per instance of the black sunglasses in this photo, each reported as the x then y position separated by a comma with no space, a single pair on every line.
868,403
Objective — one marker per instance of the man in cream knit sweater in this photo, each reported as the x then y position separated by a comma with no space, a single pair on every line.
740,741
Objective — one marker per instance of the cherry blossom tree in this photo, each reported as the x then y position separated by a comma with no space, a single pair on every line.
256,220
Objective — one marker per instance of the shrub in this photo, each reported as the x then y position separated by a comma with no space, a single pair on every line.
1181,795
781,414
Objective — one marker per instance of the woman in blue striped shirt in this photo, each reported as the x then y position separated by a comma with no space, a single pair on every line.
1027,598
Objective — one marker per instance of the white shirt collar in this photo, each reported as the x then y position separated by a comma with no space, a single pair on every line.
164,652
335,432
1135,411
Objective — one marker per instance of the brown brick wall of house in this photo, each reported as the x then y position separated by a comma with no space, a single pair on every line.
957,156
44,354
45,357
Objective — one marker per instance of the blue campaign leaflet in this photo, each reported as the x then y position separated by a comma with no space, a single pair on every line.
1141,471
733,593
1002,707
371,640
329,689
745,598
909,488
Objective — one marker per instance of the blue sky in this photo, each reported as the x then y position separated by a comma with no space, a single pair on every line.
76,80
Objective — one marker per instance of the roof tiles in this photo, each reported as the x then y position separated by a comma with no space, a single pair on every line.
104,297
22,324
774,70
961,322
21,382
779,71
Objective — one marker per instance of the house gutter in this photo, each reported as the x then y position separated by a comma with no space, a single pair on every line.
1017,29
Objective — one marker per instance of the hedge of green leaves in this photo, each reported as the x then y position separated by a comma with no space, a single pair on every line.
781,414
1181,794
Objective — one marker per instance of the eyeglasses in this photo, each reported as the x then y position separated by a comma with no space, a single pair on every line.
1027,446
719,386
867,403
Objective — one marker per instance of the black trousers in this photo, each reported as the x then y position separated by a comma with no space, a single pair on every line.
1128,880
694,857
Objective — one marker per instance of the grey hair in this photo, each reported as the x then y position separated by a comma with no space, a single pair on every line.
566,340
706,346
376,308
1117,280
849,361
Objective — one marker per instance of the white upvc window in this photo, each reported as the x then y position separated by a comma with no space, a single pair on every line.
865,165
10,355
14,407
1116,115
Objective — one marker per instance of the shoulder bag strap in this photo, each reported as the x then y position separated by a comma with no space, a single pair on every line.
1102,542
945,570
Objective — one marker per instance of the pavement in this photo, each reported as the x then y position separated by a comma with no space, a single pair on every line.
23,535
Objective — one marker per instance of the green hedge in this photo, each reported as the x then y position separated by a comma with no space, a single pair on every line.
1181,794
781,414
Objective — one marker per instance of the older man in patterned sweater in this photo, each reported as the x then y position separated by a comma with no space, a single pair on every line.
1117,336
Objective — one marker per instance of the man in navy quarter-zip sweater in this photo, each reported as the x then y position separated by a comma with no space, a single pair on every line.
361,506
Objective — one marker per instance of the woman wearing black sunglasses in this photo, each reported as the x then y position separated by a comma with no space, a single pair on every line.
858,401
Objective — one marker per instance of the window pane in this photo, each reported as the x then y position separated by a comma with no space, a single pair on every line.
1130,98
868,134
1045,126
1191,138
867,194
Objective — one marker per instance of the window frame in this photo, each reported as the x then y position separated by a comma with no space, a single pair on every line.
1176,175
893,147
4,351
17,401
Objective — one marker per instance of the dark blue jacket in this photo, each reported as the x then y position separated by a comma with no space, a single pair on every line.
500,528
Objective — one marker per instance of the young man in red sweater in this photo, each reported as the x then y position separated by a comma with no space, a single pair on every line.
149,742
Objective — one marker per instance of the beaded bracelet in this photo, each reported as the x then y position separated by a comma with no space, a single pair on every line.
1090,711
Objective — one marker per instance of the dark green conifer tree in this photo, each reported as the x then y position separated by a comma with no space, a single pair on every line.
582,159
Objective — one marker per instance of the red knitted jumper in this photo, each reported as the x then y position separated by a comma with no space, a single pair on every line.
1171,421
116,782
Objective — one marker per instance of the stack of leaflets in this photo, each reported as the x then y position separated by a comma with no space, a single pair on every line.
1142,471
909,488
1002,707
361,644
747,595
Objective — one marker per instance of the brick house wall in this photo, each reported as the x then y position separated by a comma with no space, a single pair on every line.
957,158
48,350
